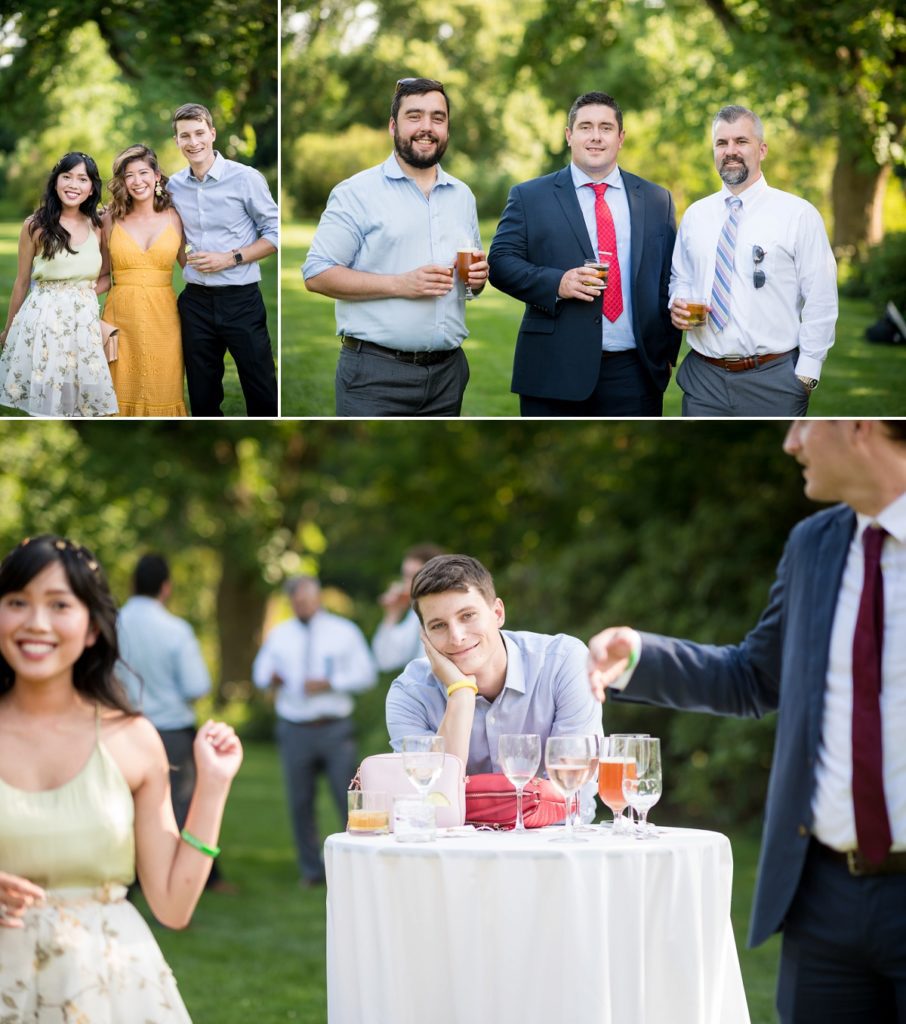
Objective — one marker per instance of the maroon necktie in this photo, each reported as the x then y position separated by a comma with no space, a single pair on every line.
872,823
607,242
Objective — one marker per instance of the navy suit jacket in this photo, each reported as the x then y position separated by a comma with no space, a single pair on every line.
541,235
781,665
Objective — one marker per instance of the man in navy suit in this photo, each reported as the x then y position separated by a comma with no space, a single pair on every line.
577,355
829,655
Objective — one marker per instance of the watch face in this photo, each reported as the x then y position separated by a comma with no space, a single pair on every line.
237,256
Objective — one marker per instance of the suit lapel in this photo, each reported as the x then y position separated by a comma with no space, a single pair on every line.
633,187
829,562
565,192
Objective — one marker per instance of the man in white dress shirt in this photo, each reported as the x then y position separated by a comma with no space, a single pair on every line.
314,662
760,259
397,640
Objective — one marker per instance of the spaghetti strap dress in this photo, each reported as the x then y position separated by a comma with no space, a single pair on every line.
53,362
148,374
85,954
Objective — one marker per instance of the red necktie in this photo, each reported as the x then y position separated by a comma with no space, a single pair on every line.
607,242
872,823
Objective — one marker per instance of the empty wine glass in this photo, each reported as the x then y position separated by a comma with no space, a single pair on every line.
567,759
423,761
644,791
519,755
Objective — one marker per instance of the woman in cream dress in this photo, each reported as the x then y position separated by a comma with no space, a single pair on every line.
144,236
85,806
52,361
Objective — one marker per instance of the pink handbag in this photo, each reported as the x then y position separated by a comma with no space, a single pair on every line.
491,801
384,773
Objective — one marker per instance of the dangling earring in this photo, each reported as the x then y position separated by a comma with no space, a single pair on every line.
158,191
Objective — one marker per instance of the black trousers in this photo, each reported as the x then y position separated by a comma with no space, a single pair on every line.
623,388
233,319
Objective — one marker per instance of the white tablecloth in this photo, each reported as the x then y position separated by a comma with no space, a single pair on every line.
496,928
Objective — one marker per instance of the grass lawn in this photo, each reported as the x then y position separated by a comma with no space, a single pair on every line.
259,955
233,403
859,379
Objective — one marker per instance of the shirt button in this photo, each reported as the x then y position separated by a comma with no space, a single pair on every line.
802,830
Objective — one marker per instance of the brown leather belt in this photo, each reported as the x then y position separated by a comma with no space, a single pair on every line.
738,363
856,864
419,358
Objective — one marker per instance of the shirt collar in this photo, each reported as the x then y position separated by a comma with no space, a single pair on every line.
515,673
392,169
892,518
748,195
216,169
580,178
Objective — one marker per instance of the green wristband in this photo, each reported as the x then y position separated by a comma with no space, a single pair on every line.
631,660
211,851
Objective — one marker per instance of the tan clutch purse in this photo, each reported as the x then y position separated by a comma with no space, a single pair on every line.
110,340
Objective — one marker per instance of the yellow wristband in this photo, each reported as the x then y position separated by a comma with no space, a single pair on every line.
463,684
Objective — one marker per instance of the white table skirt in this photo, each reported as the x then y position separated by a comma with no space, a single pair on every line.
495,928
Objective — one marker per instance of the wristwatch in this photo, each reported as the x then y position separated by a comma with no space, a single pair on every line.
809,383
237,258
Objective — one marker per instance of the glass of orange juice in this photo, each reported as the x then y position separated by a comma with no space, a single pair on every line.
367,813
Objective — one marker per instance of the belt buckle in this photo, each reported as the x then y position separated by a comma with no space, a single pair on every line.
853,864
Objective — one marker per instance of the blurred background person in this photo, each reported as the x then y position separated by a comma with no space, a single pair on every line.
397,640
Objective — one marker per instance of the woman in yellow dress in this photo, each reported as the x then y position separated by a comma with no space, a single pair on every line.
144,239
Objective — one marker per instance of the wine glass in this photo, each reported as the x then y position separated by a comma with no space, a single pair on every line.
519,756
595,741
644,791
423,761
567,759
615,762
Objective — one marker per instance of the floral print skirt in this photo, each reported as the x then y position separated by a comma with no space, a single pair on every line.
86,957
53,362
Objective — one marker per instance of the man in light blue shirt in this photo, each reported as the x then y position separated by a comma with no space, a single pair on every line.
517,682
231,222
163,671
385,249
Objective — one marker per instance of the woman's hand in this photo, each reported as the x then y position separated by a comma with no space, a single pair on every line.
218,752
16,896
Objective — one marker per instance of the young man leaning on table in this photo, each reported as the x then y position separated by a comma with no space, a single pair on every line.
479,681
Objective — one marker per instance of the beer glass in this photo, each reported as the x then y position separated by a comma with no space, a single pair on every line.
466,255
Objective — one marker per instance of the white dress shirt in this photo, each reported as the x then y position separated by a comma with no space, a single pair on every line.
326,647
832,804
394,646
796,307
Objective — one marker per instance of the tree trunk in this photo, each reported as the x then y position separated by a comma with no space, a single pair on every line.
240,613
857,192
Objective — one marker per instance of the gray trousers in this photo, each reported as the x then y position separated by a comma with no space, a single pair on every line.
769,390
368,384
306,751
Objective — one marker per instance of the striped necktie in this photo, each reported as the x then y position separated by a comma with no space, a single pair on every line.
723,266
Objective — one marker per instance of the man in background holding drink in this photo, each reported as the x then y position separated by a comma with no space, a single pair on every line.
387,249
479,682
398,640
829,655
578,353
760,259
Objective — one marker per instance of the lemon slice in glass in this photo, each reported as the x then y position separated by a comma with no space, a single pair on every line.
438,799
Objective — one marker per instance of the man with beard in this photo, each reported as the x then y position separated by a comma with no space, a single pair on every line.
581,351
760,261
385,250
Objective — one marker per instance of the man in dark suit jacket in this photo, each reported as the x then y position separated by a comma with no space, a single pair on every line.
573,357
840,903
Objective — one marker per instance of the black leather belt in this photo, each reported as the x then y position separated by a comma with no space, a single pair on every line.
856,864
327,720
419,358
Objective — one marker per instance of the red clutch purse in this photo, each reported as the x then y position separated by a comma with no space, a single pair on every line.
491,801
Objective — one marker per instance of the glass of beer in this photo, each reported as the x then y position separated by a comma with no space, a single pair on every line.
698,312
597,271
367,813
466,255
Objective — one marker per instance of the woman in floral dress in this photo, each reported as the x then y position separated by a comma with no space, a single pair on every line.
52,361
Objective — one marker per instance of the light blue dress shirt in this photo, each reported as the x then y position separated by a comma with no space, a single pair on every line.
230,207
546,692
617,336
161,664
379,221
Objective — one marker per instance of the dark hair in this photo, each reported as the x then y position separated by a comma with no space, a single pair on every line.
192,112
46,219
93,672
416,87
896,429
150,574
588,99
120,200
451,572
423,552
